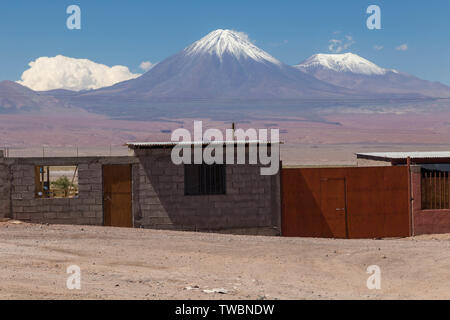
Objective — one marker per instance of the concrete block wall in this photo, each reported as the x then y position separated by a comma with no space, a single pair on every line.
86,209
251,203
5,188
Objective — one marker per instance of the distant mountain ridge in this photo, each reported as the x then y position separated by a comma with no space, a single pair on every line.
15,98
225,64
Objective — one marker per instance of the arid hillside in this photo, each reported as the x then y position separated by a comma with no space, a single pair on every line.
331,140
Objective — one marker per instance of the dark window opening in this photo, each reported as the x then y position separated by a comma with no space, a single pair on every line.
204,179
435,189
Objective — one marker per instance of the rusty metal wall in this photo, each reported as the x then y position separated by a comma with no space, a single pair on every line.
354,202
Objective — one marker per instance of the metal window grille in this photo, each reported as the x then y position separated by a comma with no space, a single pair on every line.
435,189
204,179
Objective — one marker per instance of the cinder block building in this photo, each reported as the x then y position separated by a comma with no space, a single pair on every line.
145,189
409,194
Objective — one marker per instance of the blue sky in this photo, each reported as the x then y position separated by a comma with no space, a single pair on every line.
130,32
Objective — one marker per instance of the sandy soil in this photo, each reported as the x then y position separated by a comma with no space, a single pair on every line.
147,264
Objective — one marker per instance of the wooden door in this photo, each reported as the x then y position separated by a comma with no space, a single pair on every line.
117,196
333,207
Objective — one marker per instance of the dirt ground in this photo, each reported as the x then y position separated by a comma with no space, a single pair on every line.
121,263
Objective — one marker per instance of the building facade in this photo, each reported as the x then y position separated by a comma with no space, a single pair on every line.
143,190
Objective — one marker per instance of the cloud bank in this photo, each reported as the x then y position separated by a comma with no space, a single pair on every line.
60,72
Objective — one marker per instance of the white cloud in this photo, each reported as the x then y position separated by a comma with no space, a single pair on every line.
146,65
402,47
378,47
60,72
339,45
334,45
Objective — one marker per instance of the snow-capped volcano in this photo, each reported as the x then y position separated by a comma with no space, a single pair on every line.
347,62
364,77
222,65
234,43
225,64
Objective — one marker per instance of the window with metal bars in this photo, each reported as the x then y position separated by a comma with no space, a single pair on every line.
435,189
204,179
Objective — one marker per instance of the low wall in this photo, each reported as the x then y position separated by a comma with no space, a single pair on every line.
87,208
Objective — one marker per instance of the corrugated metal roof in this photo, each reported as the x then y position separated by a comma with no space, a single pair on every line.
150,145
405,155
